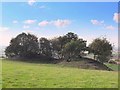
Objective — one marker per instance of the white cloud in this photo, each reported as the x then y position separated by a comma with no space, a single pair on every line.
43,23
29,21
26,27
116,17
57,23
3,29
96,22
15,21
110,27
61,23
41,7
31,2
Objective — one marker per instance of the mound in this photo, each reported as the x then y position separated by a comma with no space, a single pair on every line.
86,63
83,63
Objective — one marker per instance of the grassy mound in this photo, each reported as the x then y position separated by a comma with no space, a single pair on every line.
82,63
86,63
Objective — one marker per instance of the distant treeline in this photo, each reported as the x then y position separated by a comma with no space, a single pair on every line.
67,47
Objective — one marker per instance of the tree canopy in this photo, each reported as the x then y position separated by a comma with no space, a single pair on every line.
74,48
25,45
101,48
45,47
65,47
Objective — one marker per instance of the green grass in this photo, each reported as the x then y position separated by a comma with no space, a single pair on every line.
112,66
18,74
0,74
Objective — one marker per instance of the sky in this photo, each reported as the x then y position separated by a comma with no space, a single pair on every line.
89,20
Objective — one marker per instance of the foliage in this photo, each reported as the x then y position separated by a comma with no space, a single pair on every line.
23,45
68,47
56,47
102,49
59,43
74,48
45,47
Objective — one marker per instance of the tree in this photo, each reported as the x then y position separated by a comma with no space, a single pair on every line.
24,45
71,36
9,51
45,47
102,49
56,48
59,43
74,49
67,38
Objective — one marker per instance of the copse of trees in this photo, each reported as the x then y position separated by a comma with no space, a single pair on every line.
67,47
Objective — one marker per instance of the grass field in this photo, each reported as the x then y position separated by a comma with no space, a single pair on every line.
16,74
112,66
